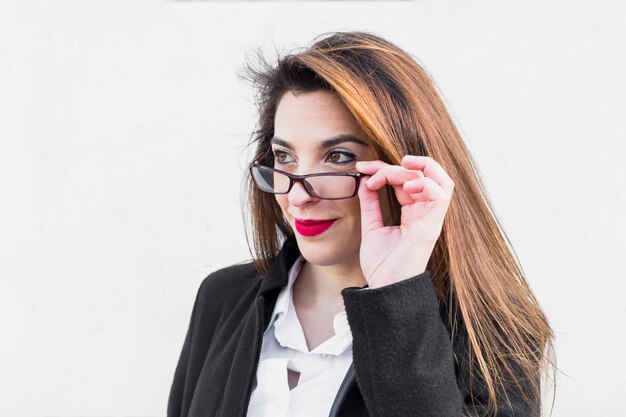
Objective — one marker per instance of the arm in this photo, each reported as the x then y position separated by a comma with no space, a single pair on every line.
403,357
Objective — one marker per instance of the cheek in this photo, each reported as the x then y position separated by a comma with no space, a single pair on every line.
353,209
282,201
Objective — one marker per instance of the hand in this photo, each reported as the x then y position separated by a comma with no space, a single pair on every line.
424,189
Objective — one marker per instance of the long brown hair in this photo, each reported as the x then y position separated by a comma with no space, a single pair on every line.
474,267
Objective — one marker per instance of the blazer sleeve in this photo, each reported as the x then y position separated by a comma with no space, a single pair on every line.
404,360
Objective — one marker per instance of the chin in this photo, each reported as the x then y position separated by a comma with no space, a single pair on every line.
325,252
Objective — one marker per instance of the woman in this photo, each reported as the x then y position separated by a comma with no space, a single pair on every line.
393,292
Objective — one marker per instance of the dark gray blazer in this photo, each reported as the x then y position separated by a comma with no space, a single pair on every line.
404,363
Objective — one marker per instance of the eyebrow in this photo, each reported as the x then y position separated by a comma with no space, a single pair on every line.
335,140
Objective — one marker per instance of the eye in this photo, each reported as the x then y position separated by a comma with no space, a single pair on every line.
335,157
278,156
332,154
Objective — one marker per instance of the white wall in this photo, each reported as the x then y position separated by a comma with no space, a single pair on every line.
122,135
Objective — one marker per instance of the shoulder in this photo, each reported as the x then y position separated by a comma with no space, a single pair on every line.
234,281
222,299
227,287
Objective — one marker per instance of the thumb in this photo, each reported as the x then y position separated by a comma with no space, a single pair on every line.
371,215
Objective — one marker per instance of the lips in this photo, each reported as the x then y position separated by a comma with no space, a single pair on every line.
313,227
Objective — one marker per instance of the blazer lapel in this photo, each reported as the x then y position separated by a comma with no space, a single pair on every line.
247,345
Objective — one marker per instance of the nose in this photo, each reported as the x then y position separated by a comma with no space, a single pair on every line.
299,196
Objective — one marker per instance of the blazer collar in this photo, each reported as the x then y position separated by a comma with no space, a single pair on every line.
277,275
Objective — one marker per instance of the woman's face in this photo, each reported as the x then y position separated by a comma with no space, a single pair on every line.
303,123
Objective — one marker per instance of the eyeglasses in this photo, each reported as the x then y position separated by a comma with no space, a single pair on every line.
326,185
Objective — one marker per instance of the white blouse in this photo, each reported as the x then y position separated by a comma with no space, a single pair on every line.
284,347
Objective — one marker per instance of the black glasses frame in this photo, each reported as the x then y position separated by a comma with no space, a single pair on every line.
301,178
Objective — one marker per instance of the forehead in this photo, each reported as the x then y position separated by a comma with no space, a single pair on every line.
308,118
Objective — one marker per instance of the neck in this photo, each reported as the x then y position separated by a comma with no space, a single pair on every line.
320,286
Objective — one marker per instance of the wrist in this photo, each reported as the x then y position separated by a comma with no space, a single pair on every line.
398,277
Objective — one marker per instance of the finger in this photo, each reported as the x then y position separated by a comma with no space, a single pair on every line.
370,167
371,215
430,168
392,175
402,195
425,189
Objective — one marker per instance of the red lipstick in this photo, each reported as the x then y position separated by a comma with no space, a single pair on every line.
313,227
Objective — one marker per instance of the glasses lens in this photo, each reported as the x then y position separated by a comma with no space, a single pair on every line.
269,180
331,186
322,186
